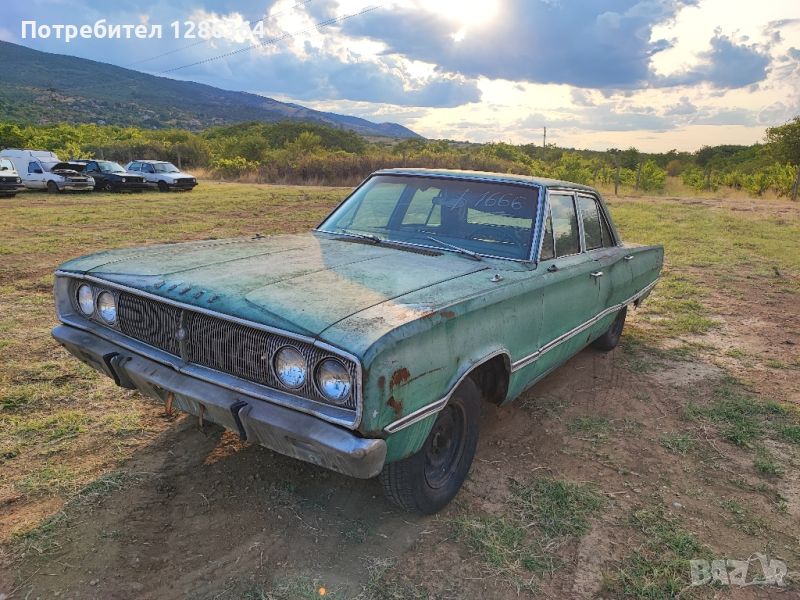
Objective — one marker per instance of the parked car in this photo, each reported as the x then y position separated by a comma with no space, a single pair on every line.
368,345
10,181
43,170
111,177
163,175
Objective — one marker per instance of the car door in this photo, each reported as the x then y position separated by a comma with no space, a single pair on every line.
93,170
612,273
571,285
149,173
34,175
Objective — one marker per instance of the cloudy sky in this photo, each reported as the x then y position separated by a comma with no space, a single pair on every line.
657,74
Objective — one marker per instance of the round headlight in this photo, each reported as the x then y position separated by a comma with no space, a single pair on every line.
123,180
86,299
290,367
19,179
107,307
334,381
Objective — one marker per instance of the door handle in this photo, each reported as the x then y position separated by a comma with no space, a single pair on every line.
629,257
597,274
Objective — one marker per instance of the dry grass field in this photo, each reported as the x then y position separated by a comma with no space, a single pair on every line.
603,480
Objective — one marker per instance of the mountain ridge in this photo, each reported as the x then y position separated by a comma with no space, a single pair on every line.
51,88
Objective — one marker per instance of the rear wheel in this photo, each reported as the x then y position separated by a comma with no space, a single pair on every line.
428,480
162,187
52,188
610,339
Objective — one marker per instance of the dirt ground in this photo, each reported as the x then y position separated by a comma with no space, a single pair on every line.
194,513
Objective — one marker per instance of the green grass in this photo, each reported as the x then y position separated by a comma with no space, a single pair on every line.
741,417
519,545
740,517
701,245
658,569
557,508
590,427
766,464
676,442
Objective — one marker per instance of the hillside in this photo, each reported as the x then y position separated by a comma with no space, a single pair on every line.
47,88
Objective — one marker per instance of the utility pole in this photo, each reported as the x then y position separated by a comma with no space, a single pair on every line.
544,138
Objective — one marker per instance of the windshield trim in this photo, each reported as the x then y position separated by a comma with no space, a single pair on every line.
537,221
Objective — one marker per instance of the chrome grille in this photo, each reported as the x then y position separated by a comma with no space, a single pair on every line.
219,344
150,322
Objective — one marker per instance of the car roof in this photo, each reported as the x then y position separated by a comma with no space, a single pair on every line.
486,176
150,161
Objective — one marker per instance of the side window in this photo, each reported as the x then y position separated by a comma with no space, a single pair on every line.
33,167
148,169
565,224
548,244
592,231
608,240
134,167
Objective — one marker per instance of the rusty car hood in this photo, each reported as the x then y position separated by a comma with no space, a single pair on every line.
300,283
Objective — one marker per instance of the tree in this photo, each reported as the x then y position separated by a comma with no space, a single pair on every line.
784,142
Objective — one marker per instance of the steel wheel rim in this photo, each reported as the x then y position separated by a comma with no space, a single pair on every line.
445,446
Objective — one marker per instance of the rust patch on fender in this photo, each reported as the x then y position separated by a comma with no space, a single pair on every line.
381,383
396,406
399,377
448,314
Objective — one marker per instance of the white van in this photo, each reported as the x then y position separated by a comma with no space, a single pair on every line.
42,170
10,181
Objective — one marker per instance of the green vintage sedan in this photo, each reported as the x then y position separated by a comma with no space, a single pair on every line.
368,345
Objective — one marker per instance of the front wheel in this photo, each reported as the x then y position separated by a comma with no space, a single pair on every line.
162,187
52,187
428,480
609,340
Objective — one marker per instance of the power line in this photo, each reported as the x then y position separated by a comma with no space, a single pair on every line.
203,41
270,42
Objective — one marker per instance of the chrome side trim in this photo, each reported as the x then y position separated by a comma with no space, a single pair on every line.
434,407
532,358
283,398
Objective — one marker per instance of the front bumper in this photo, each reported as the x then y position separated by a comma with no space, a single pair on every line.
129,186
280,429
75,186
189,185
11,188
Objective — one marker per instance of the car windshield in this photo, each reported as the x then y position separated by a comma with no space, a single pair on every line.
49,165
110,167
166,168
5,165
473,217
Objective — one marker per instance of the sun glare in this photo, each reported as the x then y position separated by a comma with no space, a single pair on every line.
469,14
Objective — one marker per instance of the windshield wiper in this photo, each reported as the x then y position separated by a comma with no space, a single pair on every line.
363,236
459,249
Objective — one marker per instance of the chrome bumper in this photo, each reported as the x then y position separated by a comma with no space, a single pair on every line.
76,187
280,429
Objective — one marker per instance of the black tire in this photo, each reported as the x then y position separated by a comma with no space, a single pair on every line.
609,340
52,187
107,187
162,187
428,480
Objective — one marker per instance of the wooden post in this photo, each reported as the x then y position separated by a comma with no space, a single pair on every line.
638,176
796,185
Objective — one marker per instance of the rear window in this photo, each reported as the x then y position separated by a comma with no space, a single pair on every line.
565,224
